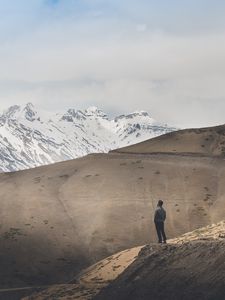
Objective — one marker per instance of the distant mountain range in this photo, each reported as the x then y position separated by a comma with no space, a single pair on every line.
30,137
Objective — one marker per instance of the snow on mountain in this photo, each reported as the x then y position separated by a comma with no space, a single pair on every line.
30,137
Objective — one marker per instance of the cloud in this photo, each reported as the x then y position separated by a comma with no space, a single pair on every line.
119,55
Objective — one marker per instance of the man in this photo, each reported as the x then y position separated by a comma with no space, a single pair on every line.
159,218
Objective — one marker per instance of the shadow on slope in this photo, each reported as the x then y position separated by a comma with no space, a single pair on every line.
58,219
192,267
189,267
189,271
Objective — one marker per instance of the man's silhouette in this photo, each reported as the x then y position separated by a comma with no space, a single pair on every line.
159,218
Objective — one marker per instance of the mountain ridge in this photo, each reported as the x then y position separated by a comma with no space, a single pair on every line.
208,141
30,137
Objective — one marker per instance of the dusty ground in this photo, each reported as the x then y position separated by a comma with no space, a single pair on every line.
189,271
188,267
185,269
91,280
59,219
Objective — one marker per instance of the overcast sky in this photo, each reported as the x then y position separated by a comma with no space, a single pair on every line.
165,57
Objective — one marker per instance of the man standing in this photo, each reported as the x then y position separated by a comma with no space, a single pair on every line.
159,218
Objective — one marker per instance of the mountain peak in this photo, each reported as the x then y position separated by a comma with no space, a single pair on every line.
72,114
140,113
16,112
93,111
12,111
10,114
29,112
32,137
29,105
136,115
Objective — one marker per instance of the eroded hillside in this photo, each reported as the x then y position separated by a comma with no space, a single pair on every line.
58,219
189,267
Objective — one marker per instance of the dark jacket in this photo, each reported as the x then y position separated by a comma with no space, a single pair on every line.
160,214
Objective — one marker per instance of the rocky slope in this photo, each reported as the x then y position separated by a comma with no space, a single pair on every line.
188,267
192,269
30,138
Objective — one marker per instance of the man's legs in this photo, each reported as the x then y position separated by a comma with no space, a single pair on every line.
162,231
158,230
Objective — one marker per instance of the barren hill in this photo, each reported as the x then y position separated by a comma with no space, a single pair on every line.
190,270
188,267
203,141
58,219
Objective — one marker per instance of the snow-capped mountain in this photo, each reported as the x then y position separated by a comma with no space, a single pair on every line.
30,138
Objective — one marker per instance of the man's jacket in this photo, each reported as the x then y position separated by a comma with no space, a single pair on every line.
160,214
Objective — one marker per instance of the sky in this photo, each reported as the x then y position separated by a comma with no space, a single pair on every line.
165,57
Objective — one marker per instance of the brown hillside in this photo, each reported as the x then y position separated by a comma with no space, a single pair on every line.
203,141
190,270
58,219
189,267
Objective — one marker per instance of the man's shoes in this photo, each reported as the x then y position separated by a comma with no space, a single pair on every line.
160,242
164,242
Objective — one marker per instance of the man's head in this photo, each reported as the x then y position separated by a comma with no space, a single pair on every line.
160,203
